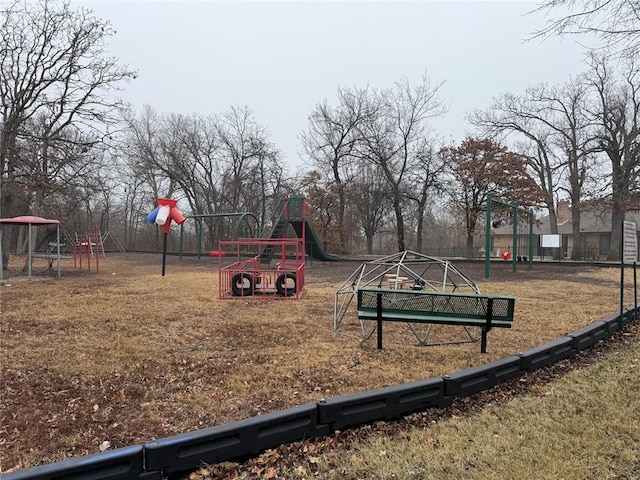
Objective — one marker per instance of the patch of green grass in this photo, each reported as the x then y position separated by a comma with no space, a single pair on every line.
584,426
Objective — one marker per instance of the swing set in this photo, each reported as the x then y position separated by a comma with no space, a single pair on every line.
516,256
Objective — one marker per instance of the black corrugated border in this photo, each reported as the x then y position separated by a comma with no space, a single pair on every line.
233,440
119,464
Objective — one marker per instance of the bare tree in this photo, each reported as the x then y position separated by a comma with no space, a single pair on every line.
268,182
56,86
617,112
559,139
426,179
616,22
393,138
370,196
136,201
246,154
574,136
510,116
331,139
141,150
143,171
217,164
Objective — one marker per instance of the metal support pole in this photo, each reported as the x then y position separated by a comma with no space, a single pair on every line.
530,239
487,239
379,319
96,233
199,222
181,240
58,247
621,319
164,252
29,259
515,238
635,291
487,327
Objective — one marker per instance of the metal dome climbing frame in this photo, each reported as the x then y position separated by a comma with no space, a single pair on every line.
406,269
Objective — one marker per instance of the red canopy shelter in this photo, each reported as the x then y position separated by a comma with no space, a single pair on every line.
30,220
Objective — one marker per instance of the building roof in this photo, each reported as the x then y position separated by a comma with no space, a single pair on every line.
590,222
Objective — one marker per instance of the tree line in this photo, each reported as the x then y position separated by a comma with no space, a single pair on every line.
71,150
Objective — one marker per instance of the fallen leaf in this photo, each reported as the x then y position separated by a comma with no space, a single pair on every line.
271,473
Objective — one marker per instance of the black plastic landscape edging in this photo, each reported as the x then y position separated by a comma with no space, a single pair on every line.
588,336
171,456
482,377
119,464
382,404
547,354
238,439
612,322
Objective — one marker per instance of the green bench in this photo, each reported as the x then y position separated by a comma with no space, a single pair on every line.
430,307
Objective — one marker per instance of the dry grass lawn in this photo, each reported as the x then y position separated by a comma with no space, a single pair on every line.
583,426
124,355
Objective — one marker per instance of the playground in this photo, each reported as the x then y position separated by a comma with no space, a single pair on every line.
100,360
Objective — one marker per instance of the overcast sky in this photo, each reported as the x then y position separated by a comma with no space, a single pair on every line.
280,59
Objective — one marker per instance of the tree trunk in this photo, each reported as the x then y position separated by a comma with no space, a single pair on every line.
397,207
576,253
471,224
419,234
8,191
469,245
553,226
420,227
621,187
617,219
5,251
341,210
369,244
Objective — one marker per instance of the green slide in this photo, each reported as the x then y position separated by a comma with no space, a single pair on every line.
313,246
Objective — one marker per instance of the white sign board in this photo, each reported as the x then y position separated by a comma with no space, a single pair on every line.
550,241
630,251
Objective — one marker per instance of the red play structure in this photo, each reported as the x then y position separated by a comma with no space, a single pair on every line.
87,245
272,266
261,267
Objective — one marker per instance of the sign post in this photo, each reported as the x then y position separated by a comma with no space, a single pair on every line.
628,255
550,241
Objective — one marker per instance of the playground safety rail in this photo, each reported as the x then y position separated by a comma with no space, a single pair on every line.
198,219
172,457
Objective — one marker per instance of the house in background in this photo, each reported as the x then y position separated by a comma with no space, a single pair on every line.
593,243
